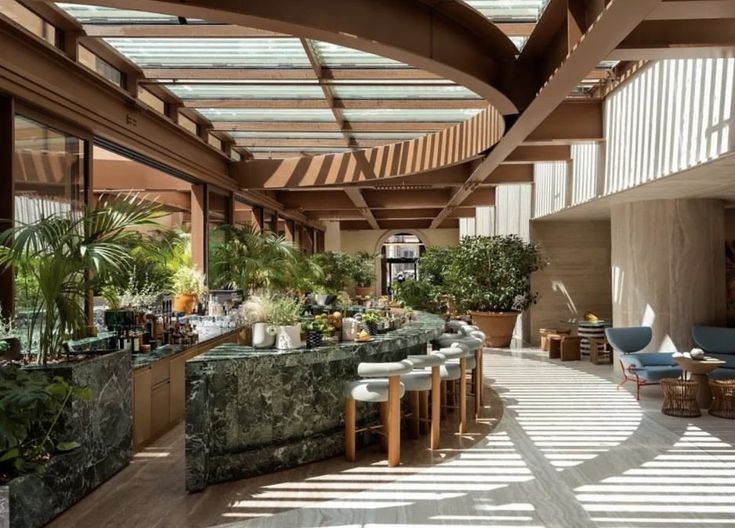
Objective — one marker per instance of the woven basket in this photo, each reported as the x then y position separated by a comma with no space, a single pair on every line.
723,398
680,398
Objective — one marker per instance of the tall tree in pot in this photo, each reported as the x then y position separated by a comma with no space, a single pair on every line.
490,277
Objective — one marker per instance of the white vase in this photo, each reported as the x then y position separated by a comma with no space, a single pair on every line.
288,337
264,335
350,328
321,300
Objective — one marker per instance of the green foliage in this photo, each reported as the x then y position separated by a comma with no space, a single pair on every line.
493,273
7,326
68,255
363,269
434,264
319,324
285,311
258,308
4,347
420,293
31,418
372,317
188,281
250,260
338,270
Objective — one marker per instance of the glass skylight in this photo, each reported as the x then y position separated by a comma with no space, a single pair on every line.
334,56
89,14
213,52
417,115
386,136
286,135
519,42
246,91
319,150
403,92
510,10
267,114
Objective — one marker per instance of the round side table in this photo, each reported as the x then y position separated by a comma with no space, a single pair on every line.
698,370
680,398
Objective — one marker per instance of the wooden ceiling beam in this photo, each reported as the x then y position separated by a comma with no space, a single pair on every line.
357,198
610,27
693,9
536,153
571,121
672,39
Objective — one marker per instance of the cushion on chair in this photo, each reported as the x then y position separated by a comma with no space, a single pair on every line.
370,390
450,371
729,359
382,370
658,372
641,360
630,339
723,373
470,364
417,380
452,352
455,324
427,360
714,339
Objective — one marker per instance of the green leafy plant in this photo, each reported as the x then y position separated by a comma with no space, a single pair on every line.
493,274
363,269
32,408
251,260
7,326
68,255
338,267
285,311
419,293
189,281
318,324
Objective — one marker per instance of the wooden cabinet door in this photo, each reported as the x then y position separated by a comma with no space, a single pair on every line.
160,408
141,405
178,389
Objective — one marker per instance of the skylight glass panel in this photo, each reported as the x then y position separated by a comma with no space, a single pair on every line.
386,136
286,135
213,52
391,81
89,14
403,92
510,10
267,114
245,91
519,42
414,115
334,56
316,150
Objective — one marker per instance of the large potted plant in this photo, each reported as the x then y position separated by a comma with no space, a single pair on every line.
363,273
490,277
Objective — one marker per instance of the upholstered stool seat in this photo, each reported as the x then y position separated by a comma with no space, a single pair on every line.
373,390
416,380
384,387
450,371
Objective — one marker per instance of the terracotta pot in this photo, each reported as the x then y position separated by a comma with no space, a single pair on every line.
498,326
185,303
363,291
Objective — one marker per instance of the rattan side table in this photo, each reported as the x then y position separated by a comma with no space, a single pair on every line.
723,398
680,398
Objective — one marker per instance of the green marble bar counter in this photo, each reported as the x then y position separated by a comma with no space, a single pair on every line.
251,411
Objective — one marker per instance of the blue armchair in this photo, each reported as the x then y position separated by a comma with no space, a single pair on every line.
644,368
720,343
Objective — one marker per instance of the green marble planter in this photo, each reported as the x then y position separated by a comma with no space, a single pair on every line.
103,426
250,412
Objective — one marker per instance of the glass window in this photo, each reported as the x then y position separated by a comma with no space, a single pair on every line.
267,114
246,91
406,91
510,10
334,56
286,52
48,175
90,14
100,66
286,135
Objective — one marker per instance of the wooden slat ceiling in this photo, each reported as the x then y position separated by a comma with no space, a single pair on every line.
276,96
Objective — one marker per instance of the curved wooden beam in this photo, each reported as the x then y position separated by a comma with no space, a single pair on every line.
447,147
454,42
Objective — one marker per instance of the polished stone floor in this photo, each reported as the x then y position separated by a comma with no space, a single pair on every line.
566,449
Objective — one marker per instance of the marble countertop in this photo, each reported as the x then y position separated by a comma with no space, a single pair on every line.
426,326
145,359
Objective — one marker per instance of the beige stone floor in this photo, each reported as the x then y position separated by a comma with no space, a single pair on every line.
565,449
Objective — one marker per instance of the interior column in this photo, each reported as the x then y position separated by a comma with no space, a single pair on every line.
668,268
199,226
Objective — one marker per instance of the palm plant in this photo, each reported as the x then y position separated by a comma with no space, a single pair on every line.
251,260
68,256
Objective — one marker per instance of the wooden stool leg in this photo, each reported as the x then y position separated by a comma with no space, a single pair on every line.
350,434
394,421
444,400
463,395
384,423
477,381
413,403
424,411
435,406
481,376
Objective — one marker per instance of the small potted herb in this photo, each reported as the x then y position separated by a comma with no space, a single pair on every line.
316,328
372,321
286,317
189,286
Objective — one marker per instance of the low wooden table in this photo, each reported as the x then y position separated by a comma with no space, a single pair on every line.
698,370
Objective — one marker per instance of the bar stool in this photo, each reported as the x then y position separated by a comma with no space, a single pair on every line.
434,362
384,387
477,378
452,371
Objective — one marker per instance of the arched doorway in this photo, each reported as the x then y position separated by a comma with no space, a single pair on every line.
399,255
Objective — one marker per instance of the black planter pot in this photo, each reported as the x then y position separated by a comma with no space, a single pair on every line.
314,339
372,327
